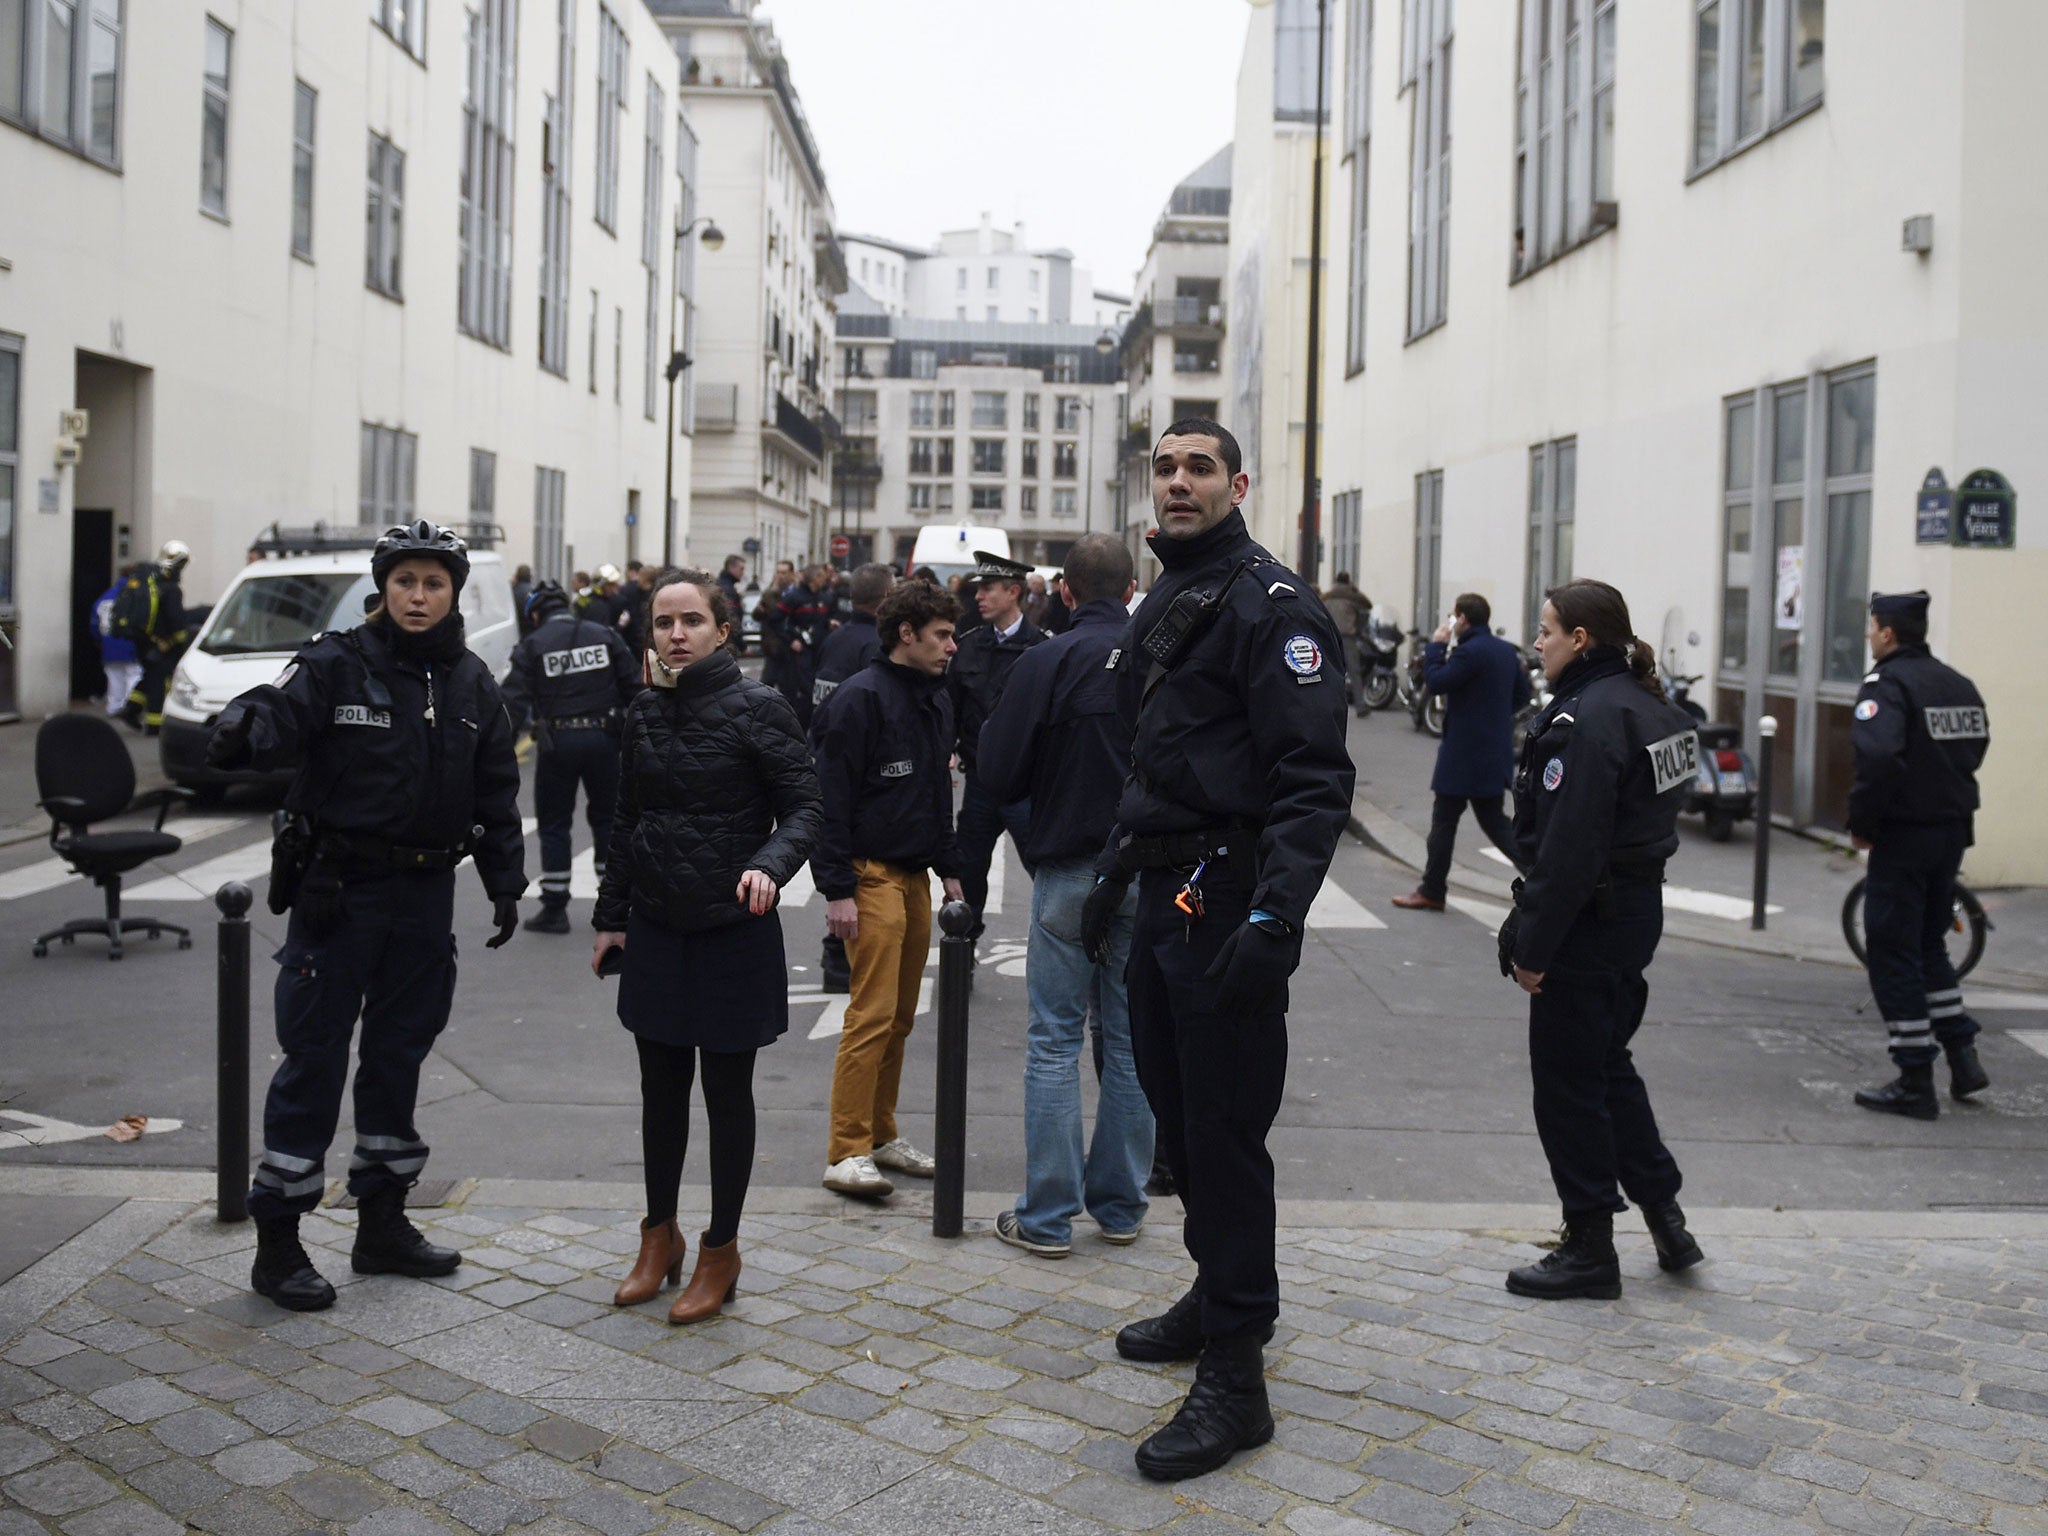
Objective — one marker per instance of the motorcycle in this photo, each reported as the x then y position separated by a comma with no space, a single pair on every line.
1724,789
1379,651
1539,695
1424,708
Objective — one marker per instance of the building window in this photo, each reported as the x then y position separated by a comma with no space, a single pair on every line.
385,495
920,498
985,498
1065,461
1034,279
991,408
10,456
550,553
995,278
384,228
1067,413
558,111
1429,546
921,455
960,280
945,407
1027,501
994,313
618,355
988,456
1852,424
1788,526
650,237
1429,173
60,72
484,276
1564,152
1553,500
1757,64
213,132
1065,368
1346,528
304,102
611,106
942,498
483,486
1738,479
924,363
406,23
1358,146
945,448
1030,458
1031,412
1065,502
594,307
923,408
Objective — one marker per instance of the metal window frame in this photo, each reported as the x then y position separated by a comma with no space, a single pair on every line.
303,153
1429,172
405,23
384,225
985,498
557,146
1746,498
483,474
1733,40
550,498
74,135
1556,211
613,53
484,275
12,344
1546,515
387,475
1429,544
225,97
988,455
1001,418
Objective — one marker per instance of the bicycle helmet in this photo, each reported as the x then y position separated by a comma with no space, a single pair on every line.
420,540
546,598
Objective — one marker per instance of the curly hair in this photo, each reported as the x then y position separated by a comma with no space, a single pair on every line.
917,604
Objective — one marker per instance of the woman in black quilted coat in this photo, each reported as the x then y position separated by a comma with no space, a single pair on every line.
718,807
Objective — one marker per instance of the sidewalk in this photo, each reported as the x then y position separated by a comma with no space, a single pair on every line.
1808,878
1864,1372
20,821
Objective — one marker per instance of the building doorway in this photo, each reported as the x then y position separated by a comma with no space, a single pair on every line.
109,493
92,572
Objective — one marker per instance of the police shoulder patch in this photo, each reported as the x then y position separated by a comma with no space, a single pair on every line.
291,671
1867,710
1675,760
1115,656
1871,677
1303,656
1553,773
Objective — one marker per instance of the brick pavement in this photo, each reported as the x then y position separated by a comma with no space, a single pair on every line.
874,1380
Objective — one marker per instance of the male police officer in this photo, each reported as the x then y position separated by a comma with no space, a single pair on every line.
1240,786
1920,733
975,680
846,653
574,676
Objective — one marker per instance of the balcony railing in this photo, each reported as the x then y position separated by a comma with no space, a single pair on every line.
1190,310
1197,362
797,427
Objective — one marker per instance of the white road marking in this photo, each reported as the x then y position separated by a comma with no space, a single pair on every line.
44,1131
2028,1002
48,874
996,869
800,889
2033,1039
198,883
1334,907
1679,898
1484,913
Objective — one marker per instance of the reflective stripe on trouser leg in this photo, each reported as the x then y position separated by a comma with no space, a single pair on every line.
400,1156
1908,1034
554,886
293,1178
1945,1005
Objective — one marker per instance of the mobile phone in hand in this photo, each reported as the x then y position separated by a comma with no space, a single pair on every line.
614,961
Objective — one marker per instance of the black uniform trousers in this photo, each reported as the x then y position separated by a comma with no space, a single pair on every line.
1908,906
983,821
589,758
1214,1084
1443,836
393,962
146,699
1592,1111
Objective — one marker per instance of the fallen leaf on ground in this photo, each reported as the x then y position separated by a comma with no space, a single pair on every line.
128,1128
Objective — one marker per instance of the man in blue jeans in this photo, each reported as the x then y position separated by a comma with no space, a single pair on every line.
1056,737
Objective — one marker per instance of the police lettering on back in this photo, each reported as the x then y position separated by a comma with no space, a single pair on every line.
585,658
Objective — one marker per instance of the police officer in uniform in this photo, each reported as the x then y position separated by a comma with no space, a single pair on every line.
846,653
1232,682
405,768
1920,733
1603,773
574,677
153,617
975,680
604,603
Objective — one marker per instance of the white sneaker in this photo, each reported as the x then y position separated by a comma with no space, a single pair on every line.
858,1176
901,1156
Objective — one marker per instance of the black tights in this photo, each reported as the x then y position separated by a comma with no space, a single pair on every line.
665,1075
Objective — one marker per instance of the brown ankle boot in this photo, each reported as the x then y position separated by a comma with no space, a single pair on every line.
712,1283
661,1258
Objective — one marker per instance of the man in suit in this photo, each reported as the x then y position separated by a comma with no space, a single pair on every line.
1483,685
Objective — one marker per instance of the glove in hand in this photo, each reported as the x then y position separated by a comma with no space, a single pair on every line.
1251,969
1510,930
319,903
505,913
1097,912
228,746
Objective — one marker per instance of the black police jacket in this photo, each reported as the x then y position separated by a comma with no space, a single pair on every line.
570,668
1603,774
606,608
1920,733
1056,736
1247,728
427,771
847,650
801,614
976,676
882,743
715,780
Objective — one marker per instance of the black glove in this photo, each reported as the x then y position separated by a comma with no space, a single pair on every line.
1510,930
1251,968
1096,913
228,746
319,903
505,913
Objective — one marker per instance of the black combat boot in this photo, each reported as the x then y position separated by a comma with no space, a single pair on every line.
1910,1094
283,1272
1176,1334
1966,1073
1582,1265
1224,1412
549,919
388,1244
1676,1248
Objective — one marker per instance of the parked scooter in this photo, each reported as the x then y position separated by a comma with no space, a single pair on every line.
1539,694
1379,657
1424,708
1724,790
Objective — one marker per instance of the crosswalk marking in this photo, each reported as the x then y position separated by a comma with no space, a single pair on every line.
48,874
200,881
1682,898
1334,907
2033,1039
1484,913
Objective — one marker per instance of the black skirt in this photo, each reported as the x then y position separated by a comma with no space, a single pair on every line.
724,989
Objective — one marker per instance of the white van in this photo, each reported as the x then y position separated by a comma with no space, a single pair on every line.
274,605
949,549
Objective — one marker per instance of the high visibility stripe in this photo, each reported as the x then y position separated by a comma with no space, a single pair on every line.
390,1144
269,1179
288,1163
1946,1011
1909,1031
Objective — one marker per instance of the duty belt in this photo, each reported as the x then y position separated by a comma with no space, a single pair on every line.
375,851
1178,850
582,722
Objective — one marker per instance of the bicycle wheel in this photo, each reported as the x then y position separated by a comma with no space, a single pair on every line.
1852,923
1967,931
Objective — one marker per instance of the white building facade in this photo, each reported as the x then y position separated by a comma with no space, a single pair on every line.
761,348
302,263
1720,286
999,426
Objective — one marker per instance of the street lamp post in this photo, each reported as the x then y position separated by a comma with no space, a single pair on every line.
713,237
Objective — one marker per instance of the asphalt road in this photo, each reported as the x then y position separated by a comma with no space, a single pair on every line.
1409,1079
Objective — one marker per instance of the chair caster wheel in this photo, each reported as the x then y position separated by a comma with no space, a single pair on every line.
41,950
186,942
69,941
114,954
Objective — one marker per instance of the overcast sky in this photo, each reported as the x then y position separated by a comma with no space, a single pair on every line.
1075,116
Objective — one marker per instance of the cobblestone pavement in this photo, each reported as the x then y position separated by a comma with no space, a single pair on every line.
877,1381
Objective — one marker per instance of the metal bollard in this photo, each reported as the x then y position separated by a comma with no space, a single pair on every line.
231,1148
1760,894
956,981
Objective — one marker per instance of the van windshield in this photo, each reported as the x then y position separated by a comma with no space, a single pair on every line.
283,612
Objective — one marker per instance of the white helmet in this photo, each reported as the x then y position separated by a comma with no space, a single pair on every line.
609,575
173,555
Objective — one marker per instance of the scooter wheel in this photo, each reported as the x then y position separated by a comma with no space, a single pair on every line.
1720,826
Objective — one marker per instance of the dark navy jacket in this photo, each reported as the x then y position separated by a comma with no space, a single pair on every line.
569,667
847,650
1920,733
1483,683
1055,736
883,742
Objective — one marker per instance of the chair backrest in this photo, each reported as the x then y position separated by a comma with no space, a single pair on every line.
83,756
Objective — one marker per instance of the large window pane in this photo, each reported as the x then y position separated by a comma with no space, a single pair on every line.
1706,109
1788,600
1749,115
1804,55
10,398
1848,585
1788,437
303,104
13,33
1852,425
60,25
1735,588
1741,463
103,81
213,143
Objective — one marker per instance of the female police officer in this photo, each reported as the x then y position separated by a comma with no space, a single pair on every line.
405,768
1596,799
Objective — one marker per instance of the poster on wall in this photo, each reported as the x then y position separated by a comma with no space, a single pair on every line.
1790,607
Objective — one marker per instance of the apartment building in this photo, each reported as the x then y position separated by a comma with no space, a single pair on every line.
303,261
